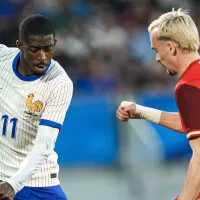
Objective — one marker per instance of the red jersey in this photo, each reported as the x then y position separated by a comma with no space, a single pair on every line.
187,94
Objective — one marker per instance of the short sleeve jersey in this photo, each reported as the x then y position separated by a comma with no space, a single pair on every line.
187,95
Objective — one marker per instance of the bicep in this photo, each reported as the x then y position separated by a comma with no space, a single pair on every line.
171,120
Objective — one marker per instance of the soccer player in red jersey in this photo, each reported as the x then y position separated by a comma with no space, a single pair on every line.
175,38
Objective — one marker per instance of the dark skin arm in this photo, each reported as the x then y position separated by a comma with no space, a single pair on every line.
6,191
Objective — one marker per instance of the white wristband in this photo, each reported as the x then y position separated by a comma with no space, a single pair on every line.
149,114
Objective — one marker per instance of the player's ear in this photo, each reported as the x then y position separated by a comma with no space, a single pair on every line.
19,45
55,41
172,48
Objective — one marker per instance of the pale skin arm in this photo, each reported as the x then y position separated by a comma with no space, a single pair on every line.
192,184
172,121
169,120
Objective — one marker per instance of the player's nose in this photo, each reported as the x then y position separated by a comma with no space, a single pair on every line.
42,55
157,58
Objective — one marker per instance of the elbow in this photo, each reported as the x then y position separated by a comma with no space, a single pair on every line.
42,151
180,130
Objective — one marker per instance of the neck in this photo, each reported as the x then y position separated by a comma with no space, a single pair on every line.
186,60
22,67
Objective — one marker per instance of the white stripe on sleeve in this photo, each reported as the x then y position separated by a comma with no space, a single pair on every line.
193,133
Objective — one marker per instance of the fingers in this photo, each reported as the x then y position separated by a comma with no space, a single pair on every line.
122,117
5,198
1,191
122,111
121,114
6,191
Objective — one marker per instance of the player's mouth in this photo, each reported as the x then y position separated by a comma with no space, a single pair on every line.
40,68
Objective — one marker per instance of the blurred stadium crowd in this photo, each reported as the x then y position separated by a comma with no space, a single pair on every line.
103,44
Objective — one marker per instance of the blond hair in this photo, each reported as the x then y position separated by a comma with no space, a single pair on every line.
179,27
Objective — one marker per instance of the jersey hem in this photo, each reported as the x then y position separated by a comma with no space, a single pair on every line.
194,133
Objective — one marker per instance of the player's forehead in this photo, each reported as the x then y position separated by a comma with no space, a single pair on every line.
155,43
40,40
153,40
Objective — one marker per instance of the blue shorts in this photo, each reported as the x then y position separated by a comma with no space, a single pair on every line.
41,193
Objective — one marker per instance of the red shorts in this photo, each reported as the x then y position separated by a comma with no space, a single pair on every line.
198,197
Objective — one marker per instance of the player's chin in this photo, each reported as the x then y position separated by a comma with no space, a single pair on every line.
171,73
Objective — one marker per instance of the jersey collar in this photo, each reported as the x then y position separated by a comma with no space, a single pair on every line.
20,76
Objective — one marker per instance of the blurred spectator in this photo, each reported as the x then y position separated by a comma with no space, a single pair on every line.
102,44
74,41
106,35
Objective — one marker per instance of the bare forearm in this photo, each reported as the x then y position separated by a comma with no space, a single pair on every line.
192,184
171,120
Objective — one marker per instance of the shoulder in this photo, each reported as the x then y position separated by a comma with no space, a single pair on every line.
187,85
7,52
188,90
7,56
4,48
57,76
192,73
190,80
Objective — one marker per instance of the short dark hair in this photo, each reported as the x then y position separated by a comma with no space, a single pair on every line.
35,25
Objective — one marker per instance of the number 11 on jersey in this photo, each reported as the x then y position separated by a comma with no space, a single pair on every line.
12,121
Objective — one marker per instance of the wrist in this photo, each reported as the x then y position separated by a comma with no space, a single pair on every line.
149,114
16,186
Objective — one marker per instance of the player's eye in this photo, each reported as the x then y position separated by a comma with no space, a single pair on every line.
50,48
34,50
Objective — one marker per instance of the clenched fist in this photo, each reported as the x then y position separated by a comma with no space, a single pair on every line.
126,111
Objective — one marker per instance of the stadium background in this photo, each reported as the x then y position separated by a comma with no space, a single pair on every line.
104,47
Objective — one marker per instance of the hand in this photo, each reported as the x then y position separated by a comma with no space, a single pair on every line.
198,198
6,191
126,111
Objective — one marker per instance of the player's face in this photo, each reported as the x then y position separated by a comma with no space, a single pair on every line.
164,54
37,52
